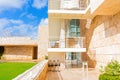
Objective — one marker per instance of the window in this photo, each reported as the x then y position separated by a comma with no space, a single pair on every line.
73,28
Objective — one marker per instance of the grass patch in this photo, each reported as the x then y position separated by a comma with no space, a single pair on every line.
9,70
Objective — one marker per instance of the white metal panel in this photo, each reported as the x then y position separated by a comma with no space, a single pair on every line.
70,11
69,4
94,4
66,49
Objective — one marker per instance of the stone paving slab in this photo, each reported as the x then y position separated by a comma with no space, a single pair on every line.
72,74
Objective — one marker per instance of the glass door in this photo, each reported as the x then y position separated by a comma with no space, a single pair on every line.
73,59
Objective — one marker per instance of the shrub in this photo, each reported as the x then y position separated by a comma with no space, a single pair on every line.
111,71
108,77
46,57
112,68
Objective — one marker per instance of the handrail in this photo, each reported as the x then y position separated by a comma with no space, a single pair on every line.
75,43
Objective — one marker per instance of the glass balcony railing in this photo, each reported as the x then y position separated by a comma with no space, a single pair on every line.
68,4
69,43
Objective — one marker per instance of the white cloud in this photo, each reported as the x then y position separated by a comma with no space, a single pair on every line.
31,16
11,27
3,22
7,4
44,22
23,14
39,3
16,21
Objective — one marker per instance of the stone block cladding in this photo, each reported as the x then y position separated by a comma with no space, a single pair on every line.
18,52
103,40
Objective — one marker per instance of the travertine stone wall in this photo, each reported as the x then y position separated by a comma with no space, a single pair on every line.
42,76
18,52
103,40
42,42
57,56
11,41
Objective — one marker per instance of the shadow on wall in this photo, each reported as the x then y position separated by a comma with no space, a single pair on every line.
112,26
90,58
88,34
103,29
90,50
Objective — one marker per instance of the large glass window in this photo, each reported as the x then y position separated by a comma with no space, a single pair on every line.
73,28
73,59
73,56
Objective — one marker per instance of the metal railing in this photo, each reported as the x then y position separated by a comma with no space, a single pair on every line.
69,43
68,4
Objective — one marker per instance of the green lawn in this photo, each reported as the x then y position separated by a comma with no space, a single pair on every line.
9,70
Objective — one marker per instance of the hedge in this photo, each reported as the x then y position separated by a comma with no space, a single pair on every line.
109,77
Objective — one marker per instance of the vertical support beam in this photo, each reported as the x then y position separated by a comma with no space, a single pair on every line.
42,42
85,70
62,34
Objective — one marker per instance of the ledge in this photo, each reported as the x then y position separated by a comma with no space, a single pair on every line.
33,72
66,49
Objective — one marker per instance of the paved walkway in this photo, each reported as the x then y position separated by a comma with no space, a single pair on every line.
72,74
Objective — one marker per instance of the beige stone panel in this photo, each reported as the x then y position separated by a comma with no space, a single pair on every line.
42,42
102,34
54,29
106,24
100,28
104,37
18,53
117,38
103,60
57,56
117,57
110,31
114,49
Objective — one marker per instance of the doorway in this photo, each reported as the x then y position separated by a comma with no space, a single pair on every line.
35,52
73,60
1,51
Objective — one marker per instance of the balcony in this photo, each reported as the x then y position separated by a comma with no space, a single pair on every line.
68,4
69,9
69,45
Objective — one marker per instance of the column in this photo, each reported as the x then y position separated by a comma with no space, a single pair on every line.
62,34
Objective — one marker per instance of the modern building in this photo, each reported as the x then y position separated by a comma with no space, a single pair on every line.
18,48
24,48
84,30
79,30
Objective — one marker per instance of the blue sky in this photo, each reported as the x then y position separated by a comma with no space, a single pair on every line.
22,17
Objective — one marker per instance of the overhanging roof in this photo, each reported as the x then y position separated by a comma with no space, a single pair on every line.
17,41
71,14
105,7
